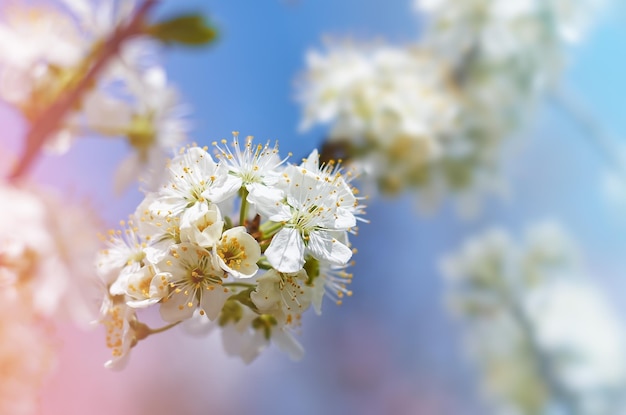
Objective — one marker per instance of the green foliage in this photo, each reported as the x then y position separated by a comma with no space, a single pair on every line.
188,30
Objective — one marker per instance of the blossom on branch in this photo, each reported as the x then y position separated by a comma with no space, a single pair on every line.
92,67
251,272
542,334
430,117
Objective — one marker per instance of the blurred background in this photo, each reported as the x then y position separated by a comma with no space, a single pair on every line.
393,347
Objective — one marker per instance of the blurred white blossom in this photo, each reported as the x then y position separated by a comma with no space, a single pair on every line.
431,116
27,353
47,51
47,249
542,334
391,106
148,113
378,93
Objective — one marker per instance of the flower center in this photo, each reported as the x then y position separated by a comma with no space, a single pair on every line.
196,276
204,224
232,252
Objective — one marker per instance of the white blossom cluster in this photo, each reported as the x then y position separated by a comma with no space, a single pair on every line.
530,35
47,250
431,116
252,274
391,105
543,336
47,50
505,54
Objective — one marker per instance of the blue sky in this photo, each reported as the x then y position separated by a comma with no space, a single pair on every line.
245,82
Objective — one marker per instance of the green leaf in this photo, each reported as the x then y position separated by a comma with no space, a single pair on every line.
188,29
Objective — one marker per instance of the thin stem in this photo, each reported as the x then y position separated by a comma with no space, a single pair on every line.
268,229
164,328
243,212
50,120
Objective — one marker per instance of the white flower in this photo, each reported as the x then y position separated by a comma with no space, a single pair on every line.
505,53
33,39
250,334
285,296
378,93
195,283
502,27
145,287
315,219
156,130
124,254
575,325
345,197
184,254
147,112
158,231
116,317
238,252
331,281
404,120
258,167
202,224
193,178
47,50
49,245
238,336
541,333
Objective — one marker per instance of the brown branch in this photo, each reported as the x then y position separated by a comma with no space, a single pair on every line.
50,120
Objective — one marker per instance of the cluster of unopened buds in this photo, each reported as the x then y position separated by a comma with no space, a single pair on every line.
251,271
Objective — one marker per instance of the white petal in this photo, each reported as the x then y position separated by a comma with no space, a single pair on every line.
288,344
117,363
253,346
224,186
212,301
323,246
154,254
107,115
267,293
244,243
317,295
232,339
286,251
142,303
176,308
264,197
198,325
198,214
345,219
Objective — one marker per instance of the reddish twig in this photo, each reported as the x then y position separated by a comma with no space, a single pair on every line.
50,120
